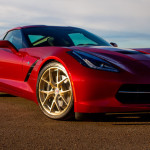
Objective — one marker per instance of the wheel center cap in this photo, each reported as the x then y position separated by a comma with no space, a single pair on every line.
56,91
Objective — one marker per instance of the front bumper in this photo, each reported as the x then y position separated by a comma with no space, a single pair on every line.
95,91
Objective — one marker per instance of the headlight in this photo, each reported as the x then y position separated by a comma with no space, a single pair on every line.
92,61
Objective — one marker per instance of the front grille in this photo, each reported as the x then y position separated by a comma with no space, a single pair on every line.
134,94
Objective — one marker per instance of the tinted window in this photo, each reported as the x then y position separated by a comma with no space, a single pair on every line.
15,37
81,39
61,36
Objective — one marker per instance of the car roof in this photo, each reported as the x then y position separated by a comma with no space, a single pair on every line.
34,26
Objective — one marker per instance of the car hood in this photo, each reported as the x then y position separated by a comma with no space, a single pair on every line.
116,53
127,59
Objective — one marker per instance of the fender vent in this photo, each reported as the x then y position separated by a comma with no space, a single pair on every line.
30,70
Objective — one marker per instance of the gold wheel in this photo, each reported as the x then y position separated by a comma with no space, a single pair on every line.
55,91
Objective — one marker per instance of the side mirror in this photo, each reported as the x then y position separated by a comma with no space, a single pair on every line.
114,44
7,44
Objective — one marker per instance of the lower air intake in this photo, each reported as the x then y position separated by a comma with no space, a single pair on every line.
134,94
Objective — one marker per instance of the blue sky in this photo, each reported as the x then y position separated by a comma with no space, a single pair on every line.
126,22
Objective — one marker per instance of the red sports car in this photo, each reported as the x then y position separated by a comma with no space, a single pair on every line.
68,69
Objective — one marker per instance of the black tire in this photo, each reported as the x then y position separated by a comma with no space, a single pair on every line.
55,102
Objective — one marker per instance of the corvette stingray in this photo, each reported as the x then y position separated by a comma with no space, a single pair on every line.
68,70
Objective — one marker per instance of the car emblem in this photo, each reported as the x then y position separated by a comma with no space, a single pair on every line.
56,91
28,62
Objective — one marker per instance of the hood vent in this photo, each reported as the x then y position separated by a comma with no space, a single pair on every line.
129,52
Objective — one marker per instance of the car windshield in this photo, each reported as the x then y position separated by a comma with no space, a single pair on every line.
61,36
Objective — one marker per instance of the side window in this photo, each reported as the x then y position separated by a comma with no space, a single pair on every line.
15,37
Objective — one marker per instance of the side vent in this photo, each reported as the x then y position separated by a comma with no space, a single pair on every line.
30,70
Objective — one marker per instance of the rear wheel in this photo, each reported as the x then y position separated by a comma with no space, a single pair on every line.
54,92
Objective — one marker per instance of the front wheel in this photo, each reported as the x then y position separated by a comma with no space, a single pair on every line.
54,92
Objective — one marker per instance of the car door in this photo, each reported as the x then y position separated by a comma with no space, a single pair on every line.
11,62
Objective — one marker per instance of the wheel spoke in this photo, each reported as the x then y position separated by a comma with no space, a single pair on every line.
52,85
45,100
44,92
51,93
63,92
64,100
57,77
47,92
52,105
45,81
60,82
57,106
